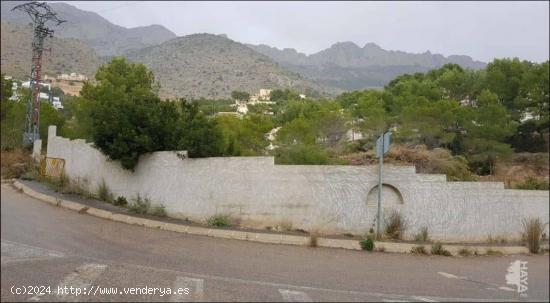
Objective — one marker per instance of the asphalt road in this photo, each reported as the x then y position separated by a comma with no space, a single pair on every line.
46,246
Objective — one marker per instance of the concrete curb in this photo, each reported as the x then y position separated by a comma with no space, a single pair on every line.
252,236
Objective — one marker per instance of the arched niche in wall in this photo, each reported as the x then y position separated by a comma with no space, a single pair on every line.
391,196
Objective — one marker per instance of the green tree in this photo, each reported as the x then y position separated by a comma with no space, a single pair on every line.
200,136
6,92
245,136
489,126
240,95
127,119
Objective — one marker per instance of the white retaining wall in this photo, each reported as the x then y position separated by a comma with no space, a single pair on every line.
325,198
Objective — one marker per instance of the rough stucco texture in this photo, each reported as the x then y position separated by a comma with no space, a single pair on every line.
323,198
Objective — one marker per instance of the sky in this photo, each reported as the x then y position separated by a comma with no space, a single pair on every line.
482,30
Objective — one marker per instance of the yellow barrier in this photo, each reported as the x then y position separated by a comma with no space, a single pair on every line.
52,167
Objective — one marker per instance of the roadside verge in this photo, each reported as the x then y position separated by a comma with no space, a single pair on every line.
392,247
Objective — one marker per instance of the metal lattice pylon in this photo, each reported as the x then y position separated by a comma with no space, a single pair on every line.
40,13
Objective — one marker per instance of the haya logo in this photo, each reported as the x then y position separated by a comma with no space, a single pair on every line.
517,275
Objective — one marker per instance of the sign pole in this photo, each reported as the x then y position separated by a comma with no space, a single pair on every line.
381,163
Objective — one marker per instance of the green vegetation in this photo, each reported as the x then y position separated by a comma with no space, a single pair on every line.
104,193
140,205
367,244
219,221
437,249
533,184
241,96
159,211
422,235
120,201
467,121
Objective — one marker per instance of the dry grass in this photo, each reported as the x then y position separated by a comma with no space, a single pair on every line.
437,249
395,225
532,232
422,235
419,250
15,163
465,252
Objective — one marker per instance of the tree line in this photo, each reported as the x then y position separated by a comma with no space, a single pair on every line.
479,115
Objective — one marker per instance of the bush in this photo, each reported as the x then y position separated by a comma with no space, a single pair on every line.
532,183
140,205
493,252
367,244
120,201
421,250
104,193
313,240
159,210
532,229
465,252
422,235
395,225
437,249
219,221
284,226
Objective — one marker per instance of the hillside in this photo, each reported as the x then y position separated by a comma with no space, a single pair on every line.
66,55
212,66
106,38
348,66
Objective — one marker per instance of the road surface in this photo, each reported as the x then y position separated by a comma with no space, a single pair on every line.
53,249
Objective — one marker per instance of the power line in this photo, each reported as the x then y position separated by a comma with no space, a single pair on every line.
40,13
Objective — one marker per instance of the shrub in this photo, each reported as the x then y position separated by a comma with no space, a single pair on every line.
422,235
465,252
120,201
532,183
140,205
420,249
219,221
159,210
367,244
395,225
313,240
284,226
437,249
532,229
104,193
493,252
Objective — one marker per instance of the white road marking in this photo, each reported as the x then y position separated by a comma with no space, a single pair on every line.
294,296
423,299
194,292
82,277
391,300
18,252
450,276
506,288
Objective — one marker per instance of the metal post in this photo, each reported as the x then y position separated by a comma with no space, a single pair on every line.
381,163
40,13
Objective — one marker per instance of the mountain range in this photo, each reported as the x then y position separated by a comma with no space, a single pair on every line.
207,65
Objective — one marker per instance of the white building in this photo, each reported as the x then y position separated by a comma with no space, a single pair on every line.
242,108
72,77
302,96
57,103
264,95
28,85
